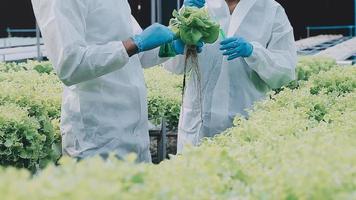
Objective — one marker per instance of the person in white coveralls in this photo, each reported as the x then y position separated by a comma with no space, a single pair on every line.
98,51
258,55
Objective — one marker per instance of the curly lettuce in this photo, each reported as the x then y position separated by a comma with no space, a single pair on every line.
191,25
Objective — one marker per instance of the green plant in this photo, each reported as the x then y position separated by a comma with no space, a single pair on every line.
192,25
308,66
321,99
40,67
280,152
40,96
164,91
22,142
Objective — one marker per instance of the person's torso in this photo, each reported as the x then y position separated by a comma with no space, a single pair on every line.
247,86
112,106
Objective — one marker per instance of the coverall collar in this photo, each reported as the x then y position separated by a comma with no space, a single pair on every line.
221,12
239,15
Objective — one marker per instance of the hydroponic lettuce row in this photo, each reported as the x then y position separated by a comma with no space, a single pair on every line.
32,142
308,66
164,90
298,144
37,93
34,89
191,25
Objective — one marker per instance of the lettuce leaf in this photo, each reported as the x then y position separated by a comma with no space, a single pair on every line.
194,25
191,25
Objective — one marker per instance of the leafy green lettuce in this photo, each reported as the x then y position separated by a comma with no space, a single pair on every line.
191,25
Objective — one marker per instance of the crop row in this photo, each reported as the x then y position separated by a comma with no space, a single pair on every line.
297,144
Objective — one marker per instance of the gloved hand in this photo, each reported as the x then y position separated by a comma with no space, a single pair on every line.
152,37
236,47
194,3
179,47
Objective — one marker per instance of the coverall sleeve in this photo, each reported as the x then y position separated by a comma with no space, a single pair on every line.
176,64
63,26
148,58
276,63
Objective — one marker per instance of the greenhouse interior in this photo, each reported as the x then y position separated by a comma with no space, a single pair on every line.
180,99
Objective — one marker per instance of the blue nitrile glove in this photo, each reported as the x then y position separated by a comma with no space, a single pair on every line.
194,3
152,37
236,47
179,47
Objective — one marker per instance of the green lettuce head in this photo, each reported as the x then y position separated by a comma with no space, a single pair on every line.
192,25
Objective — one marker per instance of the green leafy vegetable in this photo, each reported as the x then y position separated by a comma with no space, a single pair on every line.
298,144
191,25
167,51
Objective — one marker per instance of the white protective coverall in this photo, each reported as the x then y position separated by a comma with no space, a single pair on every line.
104,106
231,87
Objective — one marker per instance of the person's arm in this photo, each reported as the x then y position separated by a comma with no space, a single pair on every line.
148,58
130,47
276,63
63,27
151,58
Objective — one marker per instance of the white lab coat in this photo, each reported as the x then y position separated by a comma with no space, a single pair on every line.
231,87
104,106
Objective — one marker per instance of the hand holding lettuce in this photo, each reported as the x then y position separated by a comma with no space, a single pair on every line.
194,3
192,26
